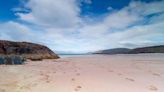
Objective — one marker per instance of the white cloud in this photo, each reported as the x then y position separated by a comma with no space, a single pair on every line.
145,35
147,8
14,31
109,8
61,28
120,29
87,1
121,19
61,13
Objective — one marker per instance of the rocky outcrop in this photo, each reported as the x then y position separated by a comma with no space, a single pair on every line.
27,50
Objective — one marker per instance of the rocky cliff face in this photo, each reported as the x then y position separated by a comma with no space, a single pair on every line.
27,50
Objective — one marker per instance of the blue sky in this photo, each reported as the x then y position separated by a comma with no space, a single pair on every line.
94,9
83,25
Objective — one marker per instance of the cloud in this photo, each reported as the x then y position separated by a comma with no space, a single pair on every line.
87,1
14,31
109,8
61,13
58,25
145,35
147,8
128,28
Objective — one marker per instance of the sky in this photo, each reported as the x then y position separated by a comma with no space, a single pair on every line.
81,26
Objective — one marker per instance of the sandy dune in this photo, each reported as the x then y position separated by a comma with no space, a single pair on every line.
96,73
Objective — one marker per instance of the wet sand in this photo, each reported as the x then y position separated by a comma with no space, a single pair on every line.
94,73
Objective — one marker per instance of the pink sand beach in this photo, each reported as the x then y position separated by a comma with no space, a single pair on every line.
92,73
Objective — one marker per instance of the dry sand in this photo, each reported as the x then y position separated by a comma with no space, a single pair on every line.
95,73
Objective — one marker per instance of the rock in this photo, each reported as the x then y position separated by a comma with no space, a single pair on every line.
27,50
12,60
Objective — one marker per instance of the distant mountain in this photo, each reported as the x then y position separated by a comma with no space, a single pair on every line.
150,49
114,51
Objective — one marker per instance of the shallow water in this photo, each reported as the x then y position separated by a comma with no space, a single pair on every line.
71,55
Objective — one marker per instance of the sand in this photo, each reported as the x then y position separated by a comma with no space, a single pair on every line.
94,73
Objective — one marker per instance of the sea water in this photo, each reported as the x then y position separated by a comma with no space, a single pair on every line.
71,55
